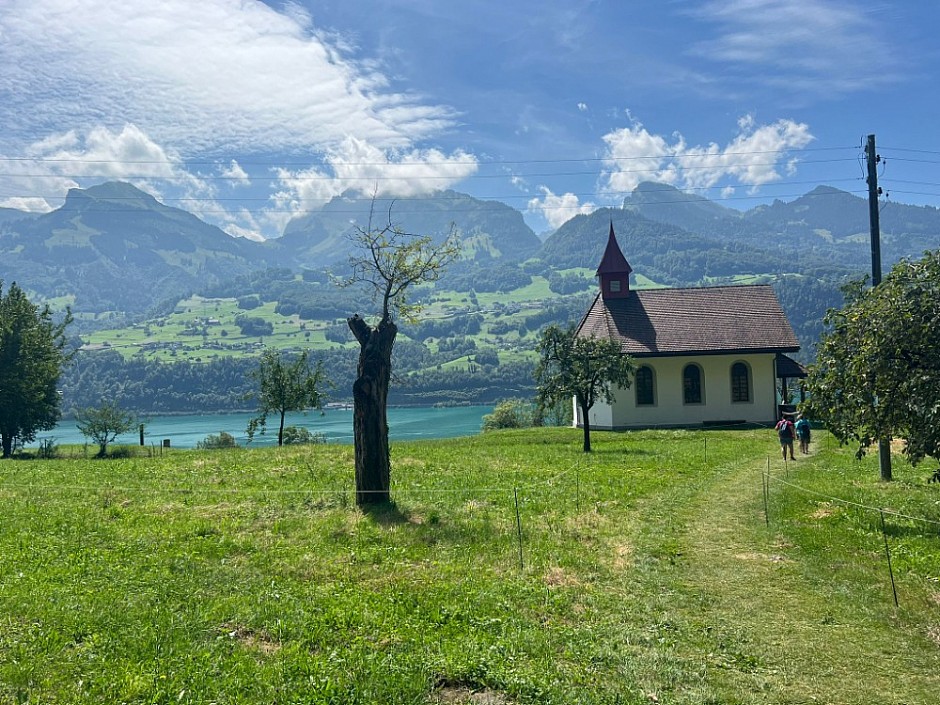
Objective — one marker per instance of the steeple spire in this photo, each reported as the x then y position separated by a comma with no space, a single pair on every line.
614,270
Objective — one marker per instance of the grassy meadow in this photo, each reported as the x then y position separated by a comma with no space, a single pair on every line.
511,569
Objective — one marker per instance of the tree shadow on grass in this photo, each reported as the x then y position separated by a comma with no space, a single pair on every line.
621,451
435,529
916,529
385,514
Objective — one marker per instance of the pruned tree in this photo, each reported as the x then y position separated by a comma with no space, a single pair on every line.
877,369
390,262
285,386
32,355
104,423
587,369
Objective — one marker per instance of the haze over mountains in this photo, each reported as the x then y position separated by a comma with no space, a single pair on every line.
113,247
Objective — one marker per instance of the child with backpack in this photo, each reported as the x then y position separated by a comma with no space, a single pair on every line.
803,433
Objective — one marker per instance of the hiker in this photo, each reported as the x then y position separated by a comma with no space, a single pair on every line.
803,433
784,430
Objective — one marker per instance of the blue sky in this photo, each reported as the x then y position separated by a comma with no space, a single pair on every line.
249,113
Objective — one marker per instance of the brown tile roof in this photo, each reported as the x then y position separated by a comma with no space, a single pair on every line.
706,320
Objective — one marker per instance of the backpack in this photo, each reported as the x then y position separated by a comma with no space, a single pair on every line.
785,429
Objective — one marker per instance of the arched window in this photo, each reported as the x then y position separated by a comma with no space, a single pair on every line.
740,382
692,384
645,386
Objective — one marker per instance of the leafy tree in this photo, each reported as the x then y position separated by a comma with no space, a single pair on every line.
585,368
556,413
877,370
285,386
253,325
390,262
32,354
104,423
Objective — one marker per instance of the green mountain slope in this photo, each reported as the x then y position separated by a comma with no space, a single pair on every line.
487,229
667,204
9,215
115,248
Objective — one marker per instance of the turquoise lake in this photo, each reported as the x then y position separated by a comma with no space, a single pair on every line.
335,424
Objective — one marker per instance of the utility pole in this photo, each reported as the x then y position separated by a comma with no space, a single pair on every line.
884,444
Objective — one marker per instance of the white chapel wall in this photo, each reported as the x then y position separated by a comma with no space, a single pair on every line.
669,409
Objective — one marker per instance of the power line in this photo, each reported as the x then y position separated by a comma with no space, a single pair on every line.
501,197
378,178
490,205
570,160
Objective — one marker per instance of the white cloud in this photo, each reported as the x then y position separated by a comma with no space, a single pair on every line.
558,209
753,158
236,230
32,205
61,161
365,169
129,154
818,46
582,107
235,174
210,75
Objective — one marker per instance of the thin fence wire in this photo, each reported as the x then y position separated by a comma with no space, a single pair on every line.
850,503
549,482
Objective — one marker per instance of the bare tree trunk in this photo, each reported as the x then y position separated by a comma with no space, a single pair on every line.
370,401
7,442
280,430
586,425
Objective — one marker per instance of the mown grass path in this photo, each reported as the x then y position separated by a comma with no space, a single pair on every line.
788,623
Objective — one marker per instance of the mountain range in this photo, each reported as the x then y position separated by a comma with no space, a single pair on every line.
113,247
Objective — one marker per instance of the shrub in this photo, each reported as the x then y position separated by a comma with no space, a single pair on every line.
509,413
298,435
48,449
121,452
223,440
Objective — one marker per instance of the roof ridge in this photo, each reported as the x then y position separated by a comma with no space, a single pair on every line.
704,288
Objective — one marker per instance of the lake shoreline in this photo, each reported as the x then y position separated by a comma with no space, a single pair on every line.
334,424
330,406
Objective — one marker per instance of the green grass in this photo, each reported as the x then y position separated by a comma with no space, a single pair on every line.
170,338
647,574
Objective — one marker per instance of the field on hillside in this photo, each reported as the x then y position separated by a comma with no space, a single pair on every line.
201,328
665,567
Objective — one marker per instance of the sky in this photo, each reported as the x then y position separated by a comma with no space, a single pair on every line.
250,113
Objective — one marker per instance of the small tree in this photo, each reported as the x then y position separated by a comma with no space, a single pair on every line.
32,354
585,368
104,423
285,386
390,262
877,370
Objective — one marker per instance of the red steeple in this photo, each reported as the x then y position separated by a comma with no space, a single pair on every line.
614,270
